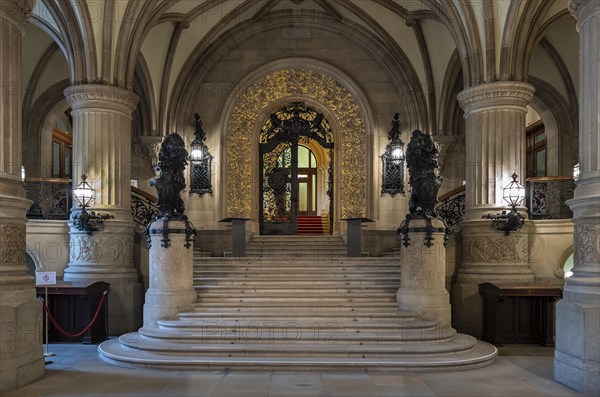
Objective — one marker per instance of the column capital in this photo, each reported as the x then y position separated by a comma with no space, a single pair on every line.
500,94
583,10
17,11
106,97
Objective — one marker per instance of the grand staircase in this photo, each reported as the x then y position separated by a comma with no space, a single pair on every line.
275,312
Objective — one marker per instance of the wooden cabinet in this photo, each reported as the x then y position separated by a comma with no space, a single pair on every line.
73,305
519,313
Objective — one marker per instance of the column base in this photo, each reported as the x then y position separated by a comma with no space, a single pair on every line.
107,255
22,360
488,256
577,358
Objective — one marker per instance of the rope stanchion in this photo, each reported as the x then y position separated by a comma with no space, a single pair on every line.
86,329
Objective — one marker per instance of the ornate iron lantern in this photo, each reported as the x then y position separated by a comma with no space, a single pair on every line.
83,220
510,221
201,161
393,162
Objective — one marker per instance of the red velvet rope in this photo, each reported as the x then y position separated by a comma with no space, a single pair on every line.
67,334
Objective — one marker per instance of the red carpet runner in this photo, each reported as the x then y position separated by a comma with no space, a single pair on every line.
310,226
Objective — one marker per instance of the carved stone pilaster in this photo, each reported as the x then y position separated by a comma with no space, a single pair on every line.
102,144
102,151
21,358
577,359
495,142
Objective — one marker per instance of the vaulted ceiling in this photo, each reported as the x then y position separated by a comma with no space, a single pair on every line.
107,41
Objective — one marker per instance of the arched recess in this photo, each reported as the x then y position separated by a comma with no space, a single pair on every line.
450,134
42,119
246,113
561,124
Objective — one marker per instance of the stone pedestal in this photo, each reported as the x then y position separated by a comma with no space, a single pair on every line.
354,236
488,256
577,356
423,282
21,357
171,274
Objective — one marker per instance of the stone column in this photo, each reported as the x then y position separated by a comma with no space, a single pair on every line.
171,274
21,357
102,151
577,356
423,282
495,149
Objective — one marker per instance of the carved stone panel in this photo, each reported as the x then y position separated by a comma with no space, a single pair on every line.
12,243
297,83
495,249
117,249
586,244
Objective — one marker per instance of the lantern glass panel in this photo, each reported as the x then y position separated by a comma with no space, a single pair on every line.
84,194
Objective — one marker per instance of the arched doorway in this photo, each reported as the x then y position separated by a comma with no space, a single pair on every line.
288,167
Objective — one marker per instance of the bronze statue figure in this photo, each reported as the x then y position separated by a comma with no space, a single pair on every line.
172,161
421,159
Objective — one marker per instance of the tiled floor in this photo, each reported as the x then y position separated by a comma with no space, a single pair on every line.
76,371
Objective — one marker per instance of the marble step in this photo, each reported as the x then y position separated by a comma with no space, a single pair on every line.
335,291
280,314
268,326
282,262
211,282
265,307
294,301
129,351
297,335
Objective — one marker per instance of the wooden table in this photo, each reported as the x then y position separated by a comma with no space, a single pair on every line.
519,313
73,305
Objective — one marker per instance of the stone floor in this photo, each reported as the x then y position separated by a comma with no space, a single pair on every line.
76,371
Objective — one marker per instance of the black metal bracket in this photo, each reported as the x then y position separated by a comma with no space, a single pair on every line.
189,231
405,229
507,221
89,221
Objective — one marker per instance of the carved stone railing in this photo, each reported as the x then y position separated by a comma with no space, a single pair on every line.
52,198
546,197
143,206
451,206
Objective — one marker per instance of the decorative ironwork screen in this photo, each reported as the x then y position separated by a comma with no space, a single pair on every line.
143,207
52,198
451,207
546,197
283,131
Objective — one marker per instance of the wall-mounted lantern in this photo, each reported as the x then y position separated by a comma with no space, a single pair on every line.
510,221
393,162
83,220
200,160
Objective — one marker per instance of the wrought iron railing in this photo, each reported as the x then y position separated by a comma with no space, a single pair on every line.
143,206
52,198
451,206
546,197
